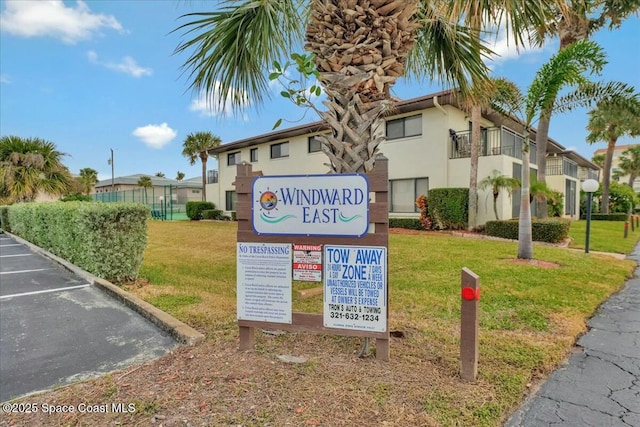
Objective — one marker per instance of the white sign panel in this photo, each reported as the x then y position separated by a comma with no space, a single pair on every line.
264,282
311,205
307,263
355,287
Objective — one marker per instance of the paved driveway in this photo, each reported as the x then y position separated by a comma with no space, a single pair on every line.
56,329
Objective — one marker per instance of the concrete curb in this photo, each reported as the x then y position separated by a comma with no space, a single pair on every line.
180,331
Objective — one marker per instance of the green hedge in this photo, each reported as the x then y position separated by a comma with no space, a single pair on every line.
551,230
607,217
4,219
410,223
194,209
214,214
105,239
449,208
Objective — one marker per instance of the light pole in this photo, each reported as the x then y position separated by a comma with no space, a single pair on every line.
589,186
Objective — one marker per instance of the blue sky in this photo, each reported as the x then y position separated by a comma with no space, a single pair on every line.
92,76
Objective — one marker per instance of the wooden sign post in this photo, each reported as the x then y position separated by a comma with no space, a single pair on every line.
373,243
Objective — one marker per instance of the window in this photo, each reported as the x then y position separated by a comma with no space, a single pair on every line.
254,155
404,193
570,197
314,145
233,158
195,191
404,127
212,177
231,199
280,150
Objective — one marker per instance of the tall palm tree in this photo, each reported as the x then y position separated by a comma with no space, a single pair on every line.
498,182
598,159
609,121
145,182
195,146
484,17
29,166
629,163
572,21
88,178
564,69
179,176
360,48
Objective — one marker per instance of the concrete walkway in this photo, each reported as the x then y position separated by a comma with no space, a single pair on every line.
600,383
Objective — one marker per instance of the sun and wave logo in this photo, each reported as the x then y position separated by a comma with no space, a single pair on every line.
269,207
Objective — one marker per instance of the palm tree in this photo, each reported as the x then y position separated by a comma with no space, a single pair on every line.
195,146
358,57
145,182
598,159
609,121
498,182
564,69
88,178
576,20
179,176
29,166
160,174
629,163
520,17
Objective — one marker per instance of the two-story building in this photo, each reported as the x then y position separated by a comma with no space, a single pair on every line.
616,172
428,146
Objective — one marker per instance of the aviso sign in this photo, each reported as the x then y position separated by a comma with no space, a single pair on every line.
311,205
355,287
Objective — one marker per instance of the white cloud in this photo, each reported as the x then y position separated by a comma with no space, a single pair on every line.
128,65
53,18
211,107
4,78
504,46
155,136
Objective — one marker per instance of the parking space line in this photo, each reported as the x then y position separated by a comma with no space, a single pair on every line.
9,256
24,271
45,291
13,244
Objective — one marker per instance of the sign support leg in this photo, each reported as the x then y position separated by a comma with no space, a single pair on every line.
382,349
247,338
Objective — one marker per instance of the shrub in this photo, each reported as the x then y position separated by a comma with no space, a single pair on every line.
449,208
4,219
607,217
213,214
194,209
233,216
550,230
423,204
555,204
409,223
106,239
77,197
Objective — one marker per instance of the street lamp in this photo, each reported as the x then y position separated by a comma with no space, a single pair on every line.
589,186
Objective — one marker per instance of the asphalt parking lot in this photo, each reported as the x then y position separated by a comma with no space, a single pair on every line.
56,329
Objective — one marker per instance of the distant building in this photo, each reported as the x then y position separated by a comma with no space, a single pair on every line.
615,165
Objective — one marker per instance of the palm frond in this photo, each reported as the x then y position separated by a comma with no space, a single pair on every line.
593,93
231,48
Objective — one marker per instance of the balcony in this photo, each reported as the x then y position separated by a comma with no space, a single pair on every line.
495,141
562,166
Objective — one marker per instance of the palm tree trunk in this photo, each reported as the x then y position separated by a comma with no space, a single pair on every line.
606,178
632,178
525,238
473,175
204,177
542,136
495,205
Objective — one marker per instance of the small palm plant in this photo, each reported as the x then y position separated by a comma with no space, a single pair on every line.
498,182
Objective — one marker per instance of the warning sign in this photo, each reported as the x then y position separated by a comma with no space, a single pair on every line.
307,263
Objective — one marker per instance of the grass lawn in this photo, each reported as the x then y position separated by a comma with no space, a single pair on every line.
530,319
606,236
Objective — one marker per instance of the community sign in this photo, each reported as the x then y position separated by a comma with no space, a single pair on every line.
311,205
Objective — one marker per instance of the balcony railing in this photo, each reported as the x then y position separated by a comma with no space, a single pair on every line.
494,141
